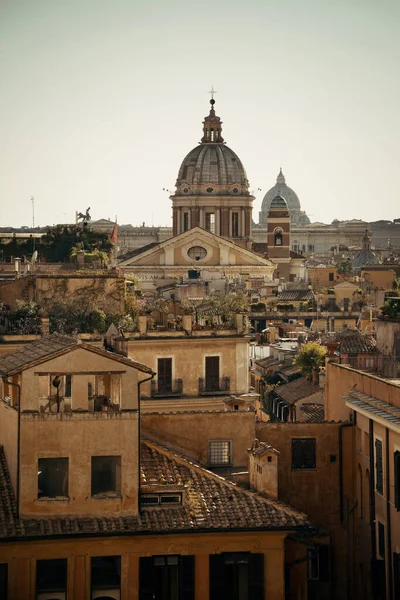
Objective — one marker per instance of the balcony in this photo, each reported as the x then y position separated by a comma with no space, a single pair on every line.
214,385
167,389
99,403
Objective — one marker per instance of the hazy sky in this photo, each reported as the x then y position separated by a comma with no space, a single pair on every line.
102,99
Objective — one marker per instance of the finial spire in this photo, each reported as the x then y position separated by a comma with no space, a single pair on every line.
212,124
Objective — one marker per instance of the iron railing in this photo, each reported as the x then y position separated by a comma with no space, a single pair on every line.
167,389
214,385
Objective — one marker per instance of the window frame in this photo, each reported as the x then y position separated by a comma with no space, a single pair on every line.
296,463
211,449
378,465
65,486
117,475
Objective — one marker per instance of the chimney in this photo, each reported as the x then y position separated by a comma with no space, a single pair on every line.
17,267
263,469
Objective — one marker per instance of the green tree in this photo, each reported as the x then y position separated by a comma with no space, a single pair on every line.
310,358
61,242
344,267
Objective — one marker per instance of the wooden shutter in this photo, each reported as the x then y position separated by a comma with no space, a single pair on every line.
212,373
216,577
146,578
187,577
379,466
164,369
257,577
397,479
396,575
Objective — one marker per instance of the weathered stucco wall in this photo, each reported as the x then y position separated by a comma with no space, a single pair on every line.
22,566
188,359
191,432
78,438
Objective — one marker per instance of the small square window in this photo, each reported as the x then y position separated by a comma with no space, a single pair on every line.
106,475
105,576
219,453
269,458
52,477
332,458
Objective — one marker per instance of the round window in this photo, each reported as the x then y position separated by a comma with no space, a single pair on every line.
210,190
186,190
235,190
197,252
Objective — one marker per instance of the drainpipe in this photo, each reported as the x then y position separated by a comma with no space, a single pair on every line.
139,434
388,519
344,519
17,491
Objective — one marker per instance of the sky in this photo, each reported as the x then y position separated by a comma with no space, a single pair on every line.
102,99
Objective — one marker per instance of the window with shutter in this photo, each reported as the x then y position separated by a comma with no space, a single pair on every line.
169,577
3,580
381,539
304,453
397,479
396,573
378,466
237,576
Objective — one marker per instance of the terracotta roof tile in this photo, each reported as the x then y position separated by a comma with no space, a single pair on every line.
296,390
210,503
312,413
34,351
295,295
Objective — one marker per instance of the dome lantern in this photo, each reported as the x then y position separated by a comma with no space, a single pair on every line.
212,127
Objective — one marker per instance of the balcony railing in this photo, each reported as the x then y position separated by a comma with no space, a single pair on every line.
214,385
167,389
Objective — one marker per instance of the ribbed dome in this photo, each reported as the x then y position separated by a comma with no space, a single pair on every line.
215,166
212,167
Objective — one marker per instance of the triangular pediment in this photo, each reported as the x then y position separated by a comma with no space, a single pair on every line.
213,250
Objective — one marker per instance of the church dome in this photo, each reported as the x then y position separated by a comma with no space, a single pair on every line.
292,200
212,168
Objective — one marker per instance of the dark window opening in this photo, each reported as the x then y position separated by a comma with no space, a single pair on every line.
185,221
106,475
166,578
52,477
105,575
381,539
164,375
278,237
378,466
332,458
219,453
212,373
331,276
51,578
237,576
3,580
304,453
235,224
318,563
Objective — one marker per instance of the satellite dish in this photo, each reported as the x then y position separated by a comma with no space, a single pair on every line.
30,263
34,258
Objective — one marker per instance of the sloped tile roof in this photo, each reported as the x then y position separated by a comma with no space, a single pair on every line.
312,413
296,390
52,344
356,343
295,295
34,351
211,503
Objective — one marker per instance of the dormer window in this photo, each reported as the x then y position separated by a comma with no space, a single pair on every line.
161,499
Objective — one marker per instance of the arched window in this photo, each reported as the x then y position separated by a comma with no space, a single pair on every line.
278,237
